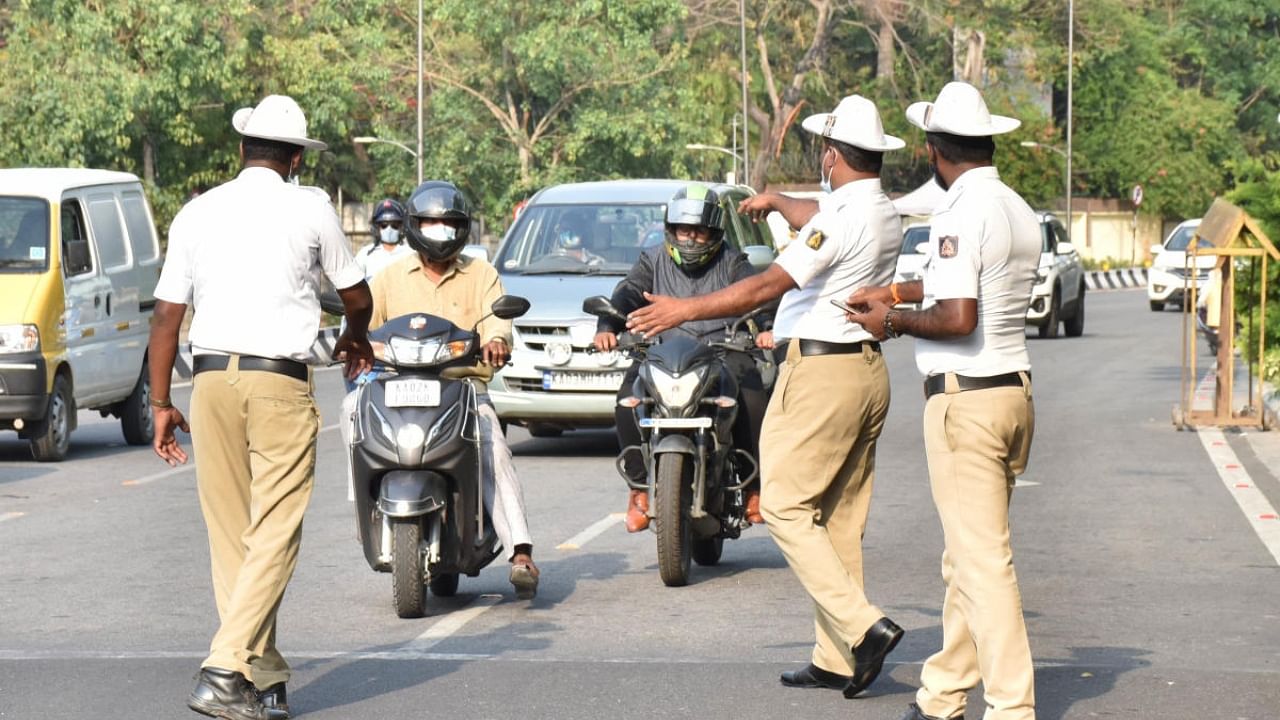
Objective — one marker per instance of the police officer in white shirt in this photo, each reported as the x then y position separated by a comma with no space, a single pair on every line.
253,417
978,417
819,437
386,225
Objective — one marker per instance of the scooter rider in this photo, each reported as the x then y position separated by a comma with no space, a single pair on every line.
386,225
439,280
691,261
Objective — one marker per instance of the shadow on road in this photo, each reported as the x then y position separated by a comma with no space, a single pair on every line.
1091,672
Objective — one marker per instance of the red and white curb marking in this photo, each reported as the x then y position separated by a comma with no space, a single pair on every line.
1259,511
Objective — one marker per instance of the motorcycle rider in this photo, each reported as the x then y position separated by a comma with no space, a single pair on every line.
439,280
692,260
386,225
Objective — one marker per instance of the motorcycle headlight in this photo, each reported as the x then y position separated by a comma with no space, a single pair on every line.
19,338
677,391
428,351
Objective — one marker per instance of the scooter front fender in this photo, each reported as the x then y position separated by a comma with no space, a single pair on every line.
409,493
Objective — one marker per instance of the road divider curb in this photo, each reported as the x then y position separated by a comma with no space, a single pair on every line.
1115,279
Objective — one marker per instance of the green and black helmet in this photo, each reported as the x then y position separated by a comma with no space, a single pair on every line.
696,205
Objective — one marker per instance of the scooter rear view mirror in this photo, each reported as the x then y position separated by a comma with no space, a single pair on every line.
509,307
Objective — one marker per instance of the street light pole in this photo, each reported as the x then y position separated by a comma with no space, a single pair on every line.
1071,44
418,155
746,127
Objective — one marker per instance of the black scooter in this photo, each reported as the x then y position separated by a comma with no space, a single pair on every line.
416,458
685,402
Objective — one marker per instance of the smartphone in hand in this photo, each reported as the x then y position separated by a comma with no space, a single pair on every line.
843,306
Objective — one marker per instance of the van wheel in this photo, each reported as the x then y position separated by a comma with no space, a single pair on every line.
136,417
54,439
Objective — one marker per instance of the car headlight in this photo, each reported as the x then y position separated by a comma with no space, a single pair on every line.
428,351
676,391
19,338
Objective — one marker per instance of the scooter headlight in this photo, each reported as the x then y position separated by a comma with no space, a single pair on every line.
676,391
427,351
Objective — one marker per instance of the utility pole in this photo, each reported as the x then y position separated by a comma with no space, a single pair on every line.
419,153
746,127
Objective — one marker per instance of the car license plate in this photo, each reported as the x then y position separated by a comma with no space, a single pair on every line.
413,393
564,380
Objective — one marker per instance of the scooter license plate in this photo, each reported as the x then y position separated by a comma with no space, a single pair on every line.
413,393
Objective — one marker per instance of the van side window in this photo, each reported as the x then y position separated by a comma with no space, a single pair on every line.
107,231
76,258
138,223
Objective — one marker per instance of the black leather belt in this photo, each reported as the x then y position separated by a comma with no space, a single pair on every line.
292,368
821,347
935,384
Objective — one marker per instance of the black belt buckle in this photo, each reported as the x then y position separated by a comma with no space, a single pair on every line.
809,348
279,366
935,384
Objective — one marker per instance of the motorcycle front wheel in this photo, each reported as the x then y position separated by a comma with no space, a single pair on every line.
674,529
407,587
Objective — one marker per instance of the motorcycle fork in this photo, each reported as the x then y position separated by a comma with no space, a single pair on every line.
700,460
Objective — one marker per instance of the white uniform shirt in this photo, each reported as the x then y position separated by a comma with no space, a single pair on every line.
852,242
247,256
984,243
374,258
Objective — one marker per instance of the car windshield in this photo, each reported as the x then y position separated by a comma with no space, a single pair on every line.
581,239
913,237
24,235
1181,238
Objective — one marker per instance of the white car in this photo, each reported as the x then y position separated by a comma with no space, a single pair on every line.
1168,277
1058,294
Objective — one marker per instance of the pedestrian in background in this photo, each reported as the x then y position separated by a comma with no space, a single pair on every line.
247,256
818,443
978,416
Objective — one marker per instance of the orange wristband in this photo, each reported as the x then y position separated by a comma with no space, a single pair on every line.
893,294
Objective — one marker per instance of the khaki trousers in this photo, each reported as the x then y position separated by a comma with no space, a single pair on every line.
818,456
976,442
254,435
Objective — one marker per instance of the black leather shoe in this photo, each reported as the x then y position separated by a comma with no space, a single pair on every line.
814,677
868,656
275,701
915,713
226,694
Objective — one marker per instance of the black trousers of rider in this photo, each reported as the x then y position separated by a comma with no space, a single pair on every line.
752,402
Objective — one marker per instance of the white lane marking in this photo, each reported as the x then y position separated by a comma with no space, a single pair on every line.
1024,483
191,465
450,624
577,541
11,516
1253,503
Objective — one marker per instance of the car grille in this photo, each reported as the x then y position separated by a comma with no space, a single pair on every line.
536,337
1200,275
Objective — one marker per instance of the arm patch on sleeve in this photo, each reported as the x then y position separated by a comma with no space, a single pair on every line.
815,239
948,246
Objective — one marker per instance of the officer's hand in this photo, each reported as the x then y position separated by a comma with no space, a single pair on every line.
495,353
357,355
165,443
870,315
758,206
662,313
605,341
765,340
864,295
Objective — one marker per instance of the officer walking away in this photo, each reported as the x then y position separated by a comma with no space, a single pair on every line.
439,280
247,256
692,261
978,415
818,444
386,225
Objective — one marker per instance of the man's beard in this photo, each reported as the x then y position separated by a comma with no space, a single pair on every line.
937,177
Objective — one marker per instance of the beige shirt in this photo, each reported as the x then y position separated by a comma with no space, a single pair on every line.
463,296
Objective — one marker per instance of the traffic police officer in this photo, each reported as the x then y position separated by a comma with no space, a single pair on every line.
247,256
978,417
819,437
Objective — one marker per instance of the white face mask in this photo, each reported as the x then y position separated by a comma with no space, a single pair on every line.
439,232
389,235
824,174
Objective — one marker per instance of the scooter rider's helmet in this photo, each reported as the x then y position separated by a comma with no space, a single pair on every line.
696,205
386,225
438,200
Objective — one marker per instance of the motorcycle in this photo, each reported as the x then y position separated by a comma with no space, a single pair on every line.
685,402
416,458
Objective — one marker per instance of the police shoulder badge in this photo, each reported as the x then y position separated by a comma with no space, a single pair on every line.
948,246
815,239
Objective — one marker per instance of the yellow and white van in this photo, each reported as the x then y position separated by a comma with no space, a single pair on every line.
79,261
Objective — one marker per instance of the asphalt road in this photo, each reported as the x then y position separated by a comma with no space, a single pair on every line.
1148,593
